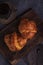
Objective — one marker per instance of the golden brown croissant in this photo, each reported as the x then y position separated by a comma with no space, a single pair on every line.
14,42
27,28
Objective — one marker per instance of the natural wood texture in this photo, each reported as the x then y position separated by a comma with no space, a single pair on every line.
31,15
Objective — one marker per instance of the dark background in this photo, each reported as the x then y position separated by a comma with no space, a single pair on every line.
34,57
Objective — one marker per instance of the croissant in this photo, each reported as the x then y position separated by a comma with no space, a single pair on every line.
14,42
27,28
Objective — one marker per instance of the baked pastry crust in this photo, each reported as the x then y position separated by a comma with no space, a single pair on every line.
14,42
27,28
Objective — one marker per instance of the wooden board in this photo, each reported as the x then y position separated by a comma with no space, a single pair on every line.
12,56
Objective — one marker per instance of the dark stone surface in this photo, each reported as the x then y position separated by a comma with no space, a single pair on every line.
22,5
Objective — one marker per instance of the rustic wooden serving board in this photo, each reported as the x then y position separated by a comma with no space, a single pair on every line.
13,57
